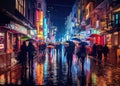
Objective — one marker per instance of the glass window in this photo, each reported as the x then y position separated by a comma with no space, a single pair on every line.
2,42
17,4
116,18
20,6
116,40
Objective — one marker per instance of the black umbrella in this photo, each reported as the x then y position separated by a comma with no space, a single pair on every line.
71,43
76,39
83,43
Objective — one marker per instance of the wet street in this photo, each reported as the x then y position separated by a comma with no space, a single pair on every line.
52,69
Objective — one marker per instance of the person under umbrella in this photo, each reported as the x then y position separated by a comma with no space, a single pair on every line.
94,52
82,53
76,40
69,51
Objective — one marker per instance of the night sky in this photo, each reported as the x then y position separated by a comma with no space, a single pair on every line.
59,10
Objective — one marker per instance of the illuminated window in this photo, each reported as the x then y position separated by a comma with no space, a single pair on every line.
116,19
20,6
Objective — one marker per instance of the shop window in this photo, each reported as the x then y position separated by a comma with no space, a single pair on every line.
9,43
2,42
116,19
116,40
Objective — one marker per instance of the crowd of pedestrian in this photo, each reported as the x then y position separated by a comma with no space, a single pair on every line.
98,51
26,54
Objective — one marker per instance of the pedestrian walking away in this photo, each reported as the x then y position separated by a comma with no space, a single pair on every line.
105,52
31,52
23,59
94,52
69,51
81,56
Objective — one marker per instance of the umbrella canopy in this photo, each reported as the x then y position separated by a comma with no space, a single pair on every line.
83,43
70,43
65,44
76,39
50,46
25,38
94,35
89,39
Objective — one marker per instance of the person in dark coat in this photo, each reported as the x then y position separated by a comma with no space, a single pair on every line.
82,53
69,51
58,48
100,51
23,52
105,52
94,52
23,57
31,51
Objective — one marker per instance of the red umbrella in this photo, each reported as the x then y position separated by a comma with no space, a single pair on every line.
89,39
94,35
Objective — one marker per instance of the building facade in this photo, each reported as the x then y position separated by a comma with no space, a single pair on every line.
17,19
100,20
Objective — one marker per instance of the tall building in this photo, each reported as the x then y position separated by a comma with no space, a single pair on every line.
41,20
17,19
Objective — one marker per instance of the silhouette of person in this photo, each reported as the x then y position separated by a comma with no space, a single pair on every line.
23,56
69,51
94,52
81,56
105,52
58,48
100,51
31,51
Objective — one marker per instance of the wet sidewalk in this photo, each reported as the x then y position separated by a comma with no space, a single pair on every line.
52,70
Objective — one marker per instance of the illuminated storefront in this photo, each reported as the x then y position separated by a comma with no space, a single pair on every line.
97,38
39,24
13,36
45,28
109,40
2,41
10,38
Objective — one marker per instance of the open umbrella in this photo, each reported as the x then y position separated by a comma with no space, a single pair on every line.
94,35
51,45
70,43
76,39
25,38
83,43
89,39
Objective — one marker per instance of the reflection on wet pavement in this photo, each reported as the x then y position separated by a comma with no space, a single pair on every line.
52,69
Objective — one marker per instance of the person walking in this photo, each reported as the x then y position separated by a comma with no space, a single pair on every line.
94,52
105,52
23,58
31,51
100,51
69,51
82,53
